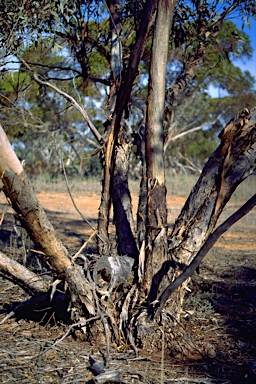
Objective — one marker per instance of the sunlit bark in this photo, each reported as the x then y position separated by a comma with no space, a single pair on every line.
156,234
30,213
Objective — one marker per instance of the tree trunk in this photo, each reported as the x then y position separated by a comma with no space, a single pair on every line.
232,162
121,197
123,95
156,234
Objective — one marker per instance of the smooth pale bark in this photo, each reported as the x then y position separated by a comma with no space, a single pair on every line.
28,280
8,158
116,44
156,234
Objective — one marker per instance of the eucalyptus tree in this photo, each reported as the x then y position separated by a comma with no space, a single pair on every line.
38,120
118,45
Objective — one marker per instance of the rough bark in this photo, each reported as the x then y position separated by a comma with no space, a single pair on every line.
123,96
30,213
28,280
156,234
232,162
121,197
190,269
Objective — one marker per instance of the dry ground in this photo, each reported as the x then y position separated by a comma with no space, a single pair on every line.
219,311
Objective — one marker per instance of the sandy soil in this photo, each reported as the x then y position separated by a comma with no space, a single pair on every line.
219,310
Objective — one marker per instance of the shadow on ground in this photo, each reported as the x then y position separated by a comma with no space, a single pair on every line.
221,312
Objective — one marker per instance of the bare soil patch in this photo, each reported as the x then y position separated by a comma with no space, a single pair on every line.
219,312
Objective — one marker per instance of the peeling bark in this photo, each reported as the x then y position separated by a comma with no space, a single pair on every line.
190,269
30,213
231,163
123,96
122,205
142,204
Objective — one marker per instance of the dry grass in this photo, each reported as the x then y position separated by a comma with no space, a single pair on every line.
177,185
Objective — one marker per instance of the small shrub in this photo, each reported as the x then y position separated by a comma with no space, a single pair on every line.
200,304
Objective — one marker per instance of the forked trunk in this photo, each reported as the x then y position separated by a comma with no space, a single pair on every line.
231,163
110,160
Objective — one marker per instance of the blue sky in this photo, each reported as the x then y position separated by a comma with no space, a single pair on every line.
250,65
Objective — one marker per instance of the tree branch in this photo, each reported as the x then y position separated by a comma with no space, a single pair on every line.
70,99
22,276
190,269
195,60
69,69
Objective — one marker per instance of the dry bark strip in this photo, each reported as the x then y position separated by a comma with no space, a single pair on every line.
229,165
190,269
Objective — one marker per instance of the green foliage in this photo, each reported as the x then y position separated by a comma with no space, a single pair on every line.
12,86
199,145
219,65
20,18
40,123
69,44
200,305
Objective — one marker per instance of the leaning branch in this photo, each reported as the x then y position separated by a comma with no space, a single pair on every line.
179,135
190,269
69,98
186,131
